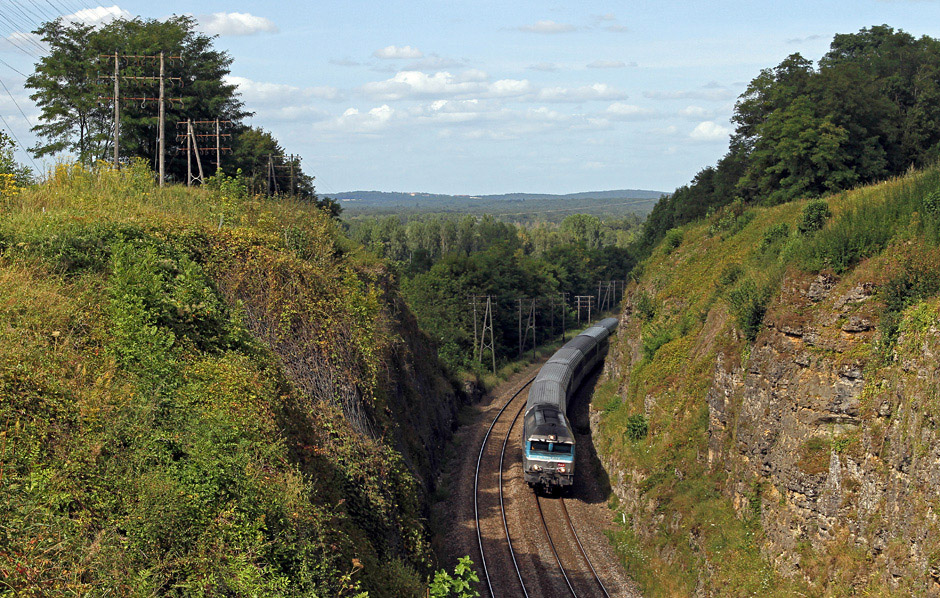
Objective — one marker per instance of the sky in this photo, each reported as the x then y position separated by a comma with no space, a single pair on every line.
482,97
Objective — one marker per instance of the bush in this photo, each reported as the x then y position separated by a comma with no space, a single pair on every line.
645,306
457,586
773,234
815,215
730,275
932,203
637,427
916,279
673,239
653,338
749,304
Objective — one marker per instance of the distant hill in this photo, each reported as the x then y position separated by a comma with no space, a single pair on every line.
510,207
411,197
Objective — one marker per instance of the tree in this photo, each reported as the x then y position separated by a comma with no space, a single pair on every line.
67,88
67,92
798,154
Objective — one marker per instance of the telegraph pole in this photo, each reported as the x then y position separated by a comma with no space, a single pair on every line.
161,99
473,302
162,119
117,110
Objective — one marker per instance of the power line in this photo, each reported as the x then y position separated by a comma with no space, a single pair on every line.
13,68
16,139
15,103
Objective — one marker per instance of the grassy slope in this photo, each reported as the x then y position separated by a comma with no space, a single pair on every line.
184,379
685,534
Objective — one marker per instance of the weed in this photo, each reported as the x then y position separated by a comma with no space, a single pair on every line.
815,215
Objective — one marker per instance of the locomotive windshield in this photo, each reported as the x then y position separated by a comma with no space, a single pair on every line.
550,447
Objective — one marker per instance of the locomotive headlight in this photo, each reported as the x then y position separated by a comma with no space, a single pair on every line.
536,468
561,469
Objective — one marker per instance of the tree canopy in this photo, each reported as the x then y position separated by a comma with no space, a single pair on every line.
869,110
70,81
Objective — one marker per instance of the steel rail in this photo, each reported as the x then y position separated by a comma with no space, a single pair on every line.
574,532
551,543
502,507
476,486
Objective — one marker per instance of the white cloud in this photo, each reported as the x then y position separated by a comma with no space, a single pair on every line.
547,26
277,93
597,91
709,131
621,111
407,84
605,17
98,15
617,28
353,121
390,52
510,87
548,67
474,83
695,112
606,64
235,23
473,75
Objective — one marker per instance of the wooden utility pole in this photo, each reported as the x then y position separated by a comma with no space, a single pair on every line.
161,99
292,188
162,119
473,303
218,148
584,301
117,110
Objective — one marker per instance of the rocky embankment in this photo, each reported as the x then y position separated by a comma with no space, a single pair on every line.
817,437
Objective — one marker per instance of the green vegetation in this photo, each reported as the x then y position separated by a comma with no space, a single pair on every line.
726,275
444,261
67,86
865,113
458,585
192,398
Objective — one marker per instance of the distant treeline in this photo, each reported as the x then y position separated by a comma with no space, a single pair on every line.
444,260
869,110
510,208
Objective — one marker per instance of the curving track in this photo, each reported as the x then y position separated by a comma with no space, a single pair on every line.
568,571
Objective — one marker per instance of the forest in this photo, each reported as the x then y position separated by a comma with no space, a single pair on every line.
867,111
445,260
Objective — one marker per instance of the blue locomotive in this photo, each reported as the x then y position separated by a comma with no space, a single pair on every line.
547,438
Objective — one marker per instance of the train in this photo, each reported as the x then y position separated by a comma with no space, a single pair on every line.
548,455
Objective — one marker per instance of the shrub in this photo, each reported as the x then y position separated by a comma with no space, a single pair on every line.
673,239
730,275
637,427
931,203
749,304
645,306
815,215
776,232
457,586
916,279
653,338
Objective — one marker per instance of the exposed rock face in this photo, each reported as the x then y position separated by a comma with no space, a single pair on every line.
843,445
844,449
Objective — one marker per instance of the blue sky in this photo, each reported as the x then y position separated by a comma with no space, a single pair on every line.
493,97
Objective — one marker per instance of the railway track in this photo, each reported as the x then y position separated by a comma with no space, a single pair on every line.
580,585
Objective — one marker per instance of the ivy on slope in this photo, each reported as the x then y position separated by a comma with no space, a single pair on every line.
156,439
